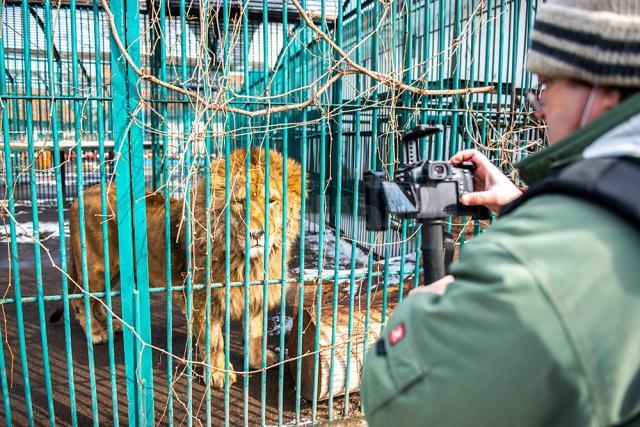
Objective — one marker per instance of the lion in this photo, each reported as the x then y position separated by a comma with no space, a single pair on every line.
156,249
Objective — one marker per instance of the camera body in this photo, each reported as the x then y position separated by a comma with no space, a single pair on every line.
426,190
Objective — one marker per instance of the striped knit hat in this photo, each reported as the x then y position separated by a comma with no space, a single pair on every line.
596,41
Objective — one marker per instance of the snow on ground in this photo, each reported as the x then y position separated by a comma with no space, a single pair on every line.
274,330
409,264
275,325
24,231
311,246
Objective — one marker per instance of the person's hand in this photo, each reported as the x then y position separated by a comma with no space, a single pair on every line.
492,188
439,287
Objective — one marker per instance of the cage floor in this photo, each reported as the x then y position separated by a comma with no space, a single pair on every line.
58,359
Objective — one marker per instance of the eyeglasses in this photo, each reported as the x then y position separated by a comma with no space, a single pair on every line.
533,96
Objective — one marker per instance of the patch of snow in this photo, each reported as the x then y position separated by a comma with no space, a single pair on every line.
328,274
409,263
312,247
275,329
394,268
24,231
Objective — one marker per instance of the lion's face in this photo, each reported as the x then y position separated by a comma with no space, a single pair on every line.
259,202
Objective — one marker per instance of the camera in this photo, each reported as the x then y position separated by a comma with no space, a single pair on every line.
426,190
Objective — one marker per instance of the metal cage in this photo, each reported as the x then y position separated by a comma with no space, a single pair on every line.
146,96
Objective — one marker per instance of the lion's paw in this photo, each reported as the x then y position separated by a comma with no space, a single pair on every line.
217,377
99,337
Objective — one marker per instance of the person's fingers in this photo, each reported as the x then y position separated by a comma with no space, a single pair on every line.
464,155
478,198
481,161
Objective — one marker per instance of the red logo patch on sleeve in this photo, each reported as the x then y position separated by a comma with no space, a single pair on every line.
397,334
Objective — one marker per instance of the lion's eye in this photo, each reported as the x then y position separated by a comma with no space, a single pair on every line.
272,201
238,202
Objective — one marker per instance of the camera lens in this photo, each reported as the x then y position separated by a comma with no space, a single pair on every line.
439,169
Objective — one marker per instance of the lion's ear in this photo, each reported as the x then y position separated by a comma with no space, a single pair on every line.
294,181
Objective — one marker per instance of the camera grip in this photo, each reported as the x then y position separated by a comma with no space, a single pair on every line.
433,250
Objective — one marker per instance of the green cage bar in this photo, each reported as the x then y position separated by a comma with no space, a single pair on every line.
35,217
81,214
103,206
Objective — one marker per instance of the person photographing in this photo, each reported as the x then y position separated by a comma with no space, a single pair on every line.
538,322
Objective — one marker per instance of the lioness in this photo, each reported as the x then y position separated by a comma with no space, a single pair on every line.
156,248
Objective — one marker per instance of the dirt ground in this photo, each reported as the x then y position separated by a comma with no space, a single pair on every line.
58,357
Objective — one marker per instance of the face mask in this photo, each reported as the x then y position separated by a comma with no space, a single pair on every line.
587,106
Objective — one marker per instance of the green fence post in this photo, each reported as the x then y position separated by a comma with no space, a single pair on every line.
136,138
3,379
132,216
34,211
267,142
247,215
8,179
439,155
123,206
227,221
337,210
284,74
81,217
188,217
372,161
60,202
167,210
322,47
103,203
303,74
354,210
209,119
390,159
405,120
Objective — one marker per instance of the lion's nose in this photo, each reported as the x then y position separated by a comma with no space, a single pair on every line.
257,235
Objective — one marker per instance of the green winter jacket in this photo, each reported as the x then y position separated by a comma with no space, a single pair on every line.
542,324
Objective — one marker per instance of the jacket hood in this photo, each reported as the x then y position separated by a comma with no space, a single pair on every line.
614,134
623,140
